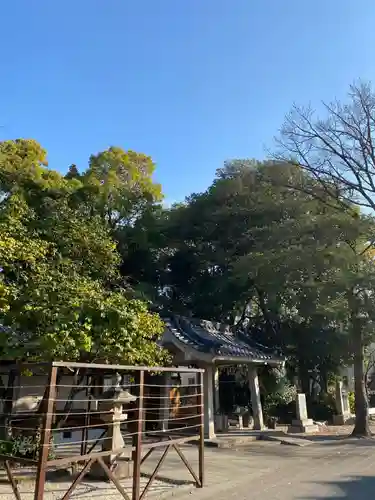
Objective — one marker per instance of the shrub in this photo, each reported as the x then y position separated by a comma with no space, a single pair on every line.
280,395
23,447
281,404
283,412
321,411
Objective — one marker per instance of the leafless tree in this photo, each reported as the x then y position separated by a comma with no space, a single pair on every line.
338,153
339,150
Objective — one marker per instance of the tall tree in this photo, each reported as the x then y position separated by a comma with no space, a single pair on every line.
59,268
119,189
118,186
338,152
253,248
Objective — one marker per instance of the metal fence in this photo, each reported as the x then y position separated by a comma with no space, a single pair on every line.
102,420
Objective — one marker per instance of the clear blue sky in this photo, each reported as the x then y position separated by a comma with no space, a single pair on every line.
189,82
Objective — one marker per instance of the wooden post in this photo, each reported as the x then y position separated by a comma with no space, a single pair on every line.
137,439
48,408
201,429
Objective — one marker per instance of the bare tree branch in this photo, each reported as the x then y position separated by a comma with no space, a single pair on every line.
338,152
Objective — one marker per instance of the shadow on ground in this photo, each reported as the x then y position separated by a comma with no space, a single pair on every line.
353,488
337,440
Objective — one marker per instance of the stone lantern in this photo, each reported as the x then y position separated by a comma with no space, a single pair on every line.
111,404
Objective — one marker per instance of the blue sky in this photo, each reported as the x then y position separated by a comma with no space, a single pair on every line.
189,82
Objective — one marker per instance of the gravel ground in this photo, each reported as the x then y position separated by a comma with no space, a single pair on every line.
327,469
85,490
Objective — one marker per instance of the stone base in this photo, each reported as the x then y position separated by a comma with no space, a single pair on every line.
123,470
343,419
304,423
221,423
303,426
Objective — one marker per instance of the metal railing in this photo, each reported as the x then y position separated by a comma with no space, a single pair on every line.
91,415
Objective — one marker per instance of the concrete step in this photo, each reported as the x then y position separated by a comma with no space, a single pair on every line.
231,443
240,440
226,442
285,439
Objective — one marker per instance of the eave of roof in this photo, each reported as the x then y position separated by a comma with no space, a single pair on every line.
217,341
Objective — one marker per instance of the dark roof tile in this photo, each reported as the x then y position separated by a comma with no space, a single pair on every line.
217,339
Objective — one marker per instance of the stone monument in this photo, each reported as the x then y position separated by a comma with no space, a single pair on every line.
303,424
342,406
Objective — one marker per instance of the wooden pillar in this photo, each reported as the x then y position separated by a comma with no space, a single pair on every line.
256,403
209,419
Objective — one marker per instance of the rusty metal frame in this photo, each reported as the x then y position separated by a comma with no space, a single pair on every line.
89,457
79,478
130,368
154,474
12,480
171,443
48,405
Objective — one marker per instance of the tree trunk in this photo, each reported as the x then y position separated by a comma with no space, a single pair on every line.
362,421
362,427
323,382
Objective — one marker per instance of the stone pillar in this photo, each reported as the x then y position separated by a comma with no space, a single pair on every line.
208,387
303,424
216,389
165,402
342,405
256,403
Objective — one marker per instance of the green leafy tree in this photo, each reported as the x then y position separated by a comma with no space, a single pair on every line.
252,251
118,186
59,280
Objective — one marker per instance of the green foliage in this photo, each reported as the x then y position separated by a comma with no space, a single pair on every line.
323,408
67,316
351,397
255,250
60,288
118,186
280,394
24,446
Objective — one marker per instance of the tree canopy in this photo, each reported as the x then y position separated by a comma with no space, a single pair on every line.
289,264
280,249
61,292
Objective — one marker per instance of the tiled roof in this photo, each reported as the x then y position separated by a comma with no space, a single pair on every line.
217,339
